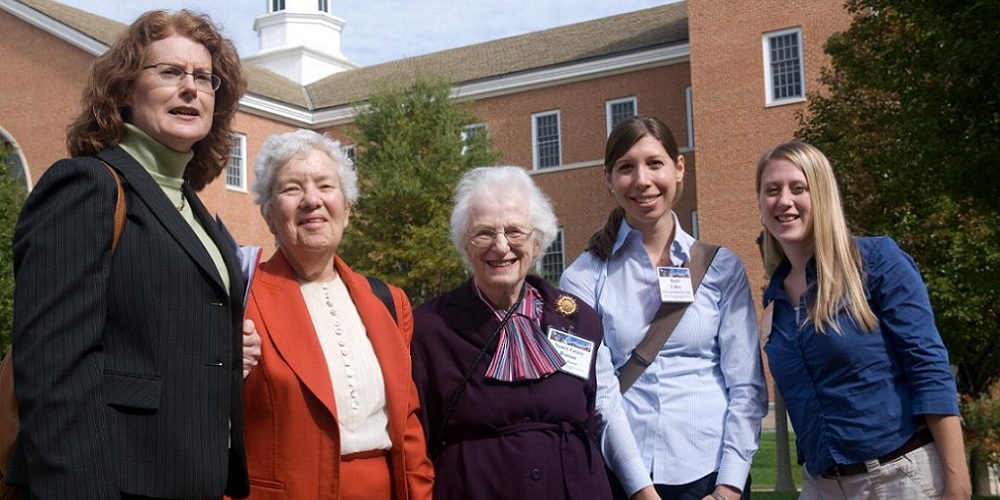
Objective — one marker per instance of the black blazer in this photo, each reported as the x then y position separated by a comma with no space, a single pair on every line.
127,366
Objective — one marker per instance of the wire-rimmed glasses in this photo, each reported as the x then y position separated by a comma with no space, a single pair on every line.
173,75
515,236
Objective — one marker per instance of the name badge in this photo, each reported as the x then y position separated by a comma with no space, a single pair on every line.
576,351
675,284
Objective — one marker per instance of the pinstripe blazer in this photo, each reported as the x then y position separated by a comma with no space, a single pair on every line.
128,365
293,439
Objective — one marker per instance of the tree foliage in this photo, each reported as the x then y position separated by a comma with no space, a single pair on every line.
911,123
12,196
411,152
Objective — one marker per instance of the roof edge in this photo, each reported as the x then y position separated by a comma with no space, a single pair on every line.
54,27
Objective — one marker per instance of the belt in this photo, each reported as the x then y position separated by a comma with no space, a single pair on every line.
921,438
363,455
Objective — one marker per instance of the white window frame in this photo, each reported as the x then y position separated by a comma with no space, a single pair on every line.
323,5
609,105
535,157
561,251
770,99
276,5
469,130
238,155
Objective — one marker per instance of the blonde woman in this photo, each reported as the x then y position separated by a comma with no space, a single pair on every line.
852,345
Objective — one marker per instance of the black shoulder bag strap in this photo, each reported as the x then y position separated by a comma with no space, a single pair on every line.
436,447
666,319
381,290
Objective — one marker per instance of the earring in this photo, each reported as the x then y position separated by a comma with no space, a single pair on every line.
762,220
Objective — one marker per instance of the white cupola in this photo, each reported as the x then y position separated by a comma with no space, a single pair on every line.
300,40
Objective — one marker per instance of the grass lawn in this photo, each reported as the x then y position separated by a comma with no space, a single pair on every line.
764,471
771,495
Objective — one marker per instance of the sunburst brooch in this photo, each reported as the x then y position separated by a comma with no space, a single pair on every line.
566,305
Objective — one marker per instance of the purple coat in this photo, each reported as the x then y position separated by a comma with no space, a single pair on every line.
532,439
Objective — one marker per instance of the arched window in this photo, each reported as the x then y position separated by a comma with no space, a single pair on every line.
12,161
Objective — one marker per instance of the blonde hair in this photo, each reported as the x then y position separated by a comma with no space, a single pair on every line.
839,266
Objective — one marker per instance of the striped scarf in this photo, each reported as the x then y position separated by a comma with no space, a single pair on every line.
523,352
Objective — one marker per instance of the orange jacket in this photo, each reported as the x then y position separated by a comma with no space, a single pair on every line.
291,430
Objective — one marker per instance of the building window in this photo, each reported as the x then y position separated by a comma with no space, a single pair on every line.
618,110
469,133
12,161
783,68
545,137
351,151
277,5
236,170
324,6
552,263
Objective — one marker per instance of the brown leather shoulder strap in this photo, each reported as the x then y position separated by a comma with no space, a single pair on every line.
9,423
119,208
667,317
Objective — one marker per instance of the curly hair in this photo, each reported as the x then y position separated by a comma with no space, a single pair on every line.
101,123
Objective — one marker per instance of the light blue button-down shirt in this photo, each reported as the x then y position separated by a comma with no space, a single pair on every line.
698,407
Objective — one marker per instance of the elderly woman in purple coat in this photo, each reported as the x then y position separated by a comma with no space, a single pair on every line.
505,363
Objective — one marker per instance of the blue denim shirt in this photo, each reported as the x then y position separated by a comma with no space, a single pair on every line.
854,396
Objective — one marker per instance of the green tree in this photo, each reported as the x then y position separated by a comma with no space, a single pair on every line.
411,152
12,194
911,123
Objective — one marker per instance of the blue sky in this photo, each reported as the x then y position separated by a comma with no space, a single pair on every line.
384,30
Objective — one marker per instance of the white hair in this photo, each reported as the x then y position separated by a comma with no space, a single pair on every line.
279,149
499,182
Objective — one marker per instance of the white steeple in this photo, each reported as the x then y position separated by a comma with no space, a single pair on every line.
300,40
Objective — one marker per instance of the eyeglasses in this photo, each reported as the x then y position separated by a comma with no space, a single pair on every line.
173,75
516,236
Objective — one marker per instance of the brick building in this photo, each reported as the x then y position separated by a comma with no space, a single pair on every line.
546,98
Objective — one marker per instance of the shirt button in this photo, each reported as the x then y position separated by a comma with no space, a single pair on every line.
536,474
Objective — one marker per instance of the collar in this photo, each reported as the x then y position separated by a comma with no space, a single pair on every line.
775,287
160,161
528,296
680,247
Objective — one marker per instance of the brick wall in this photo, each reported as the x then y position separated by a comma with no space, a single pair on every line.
580,194
41,78
733,125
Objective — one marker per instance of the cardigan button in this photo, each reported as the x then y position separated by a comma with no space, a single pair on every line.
536,474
